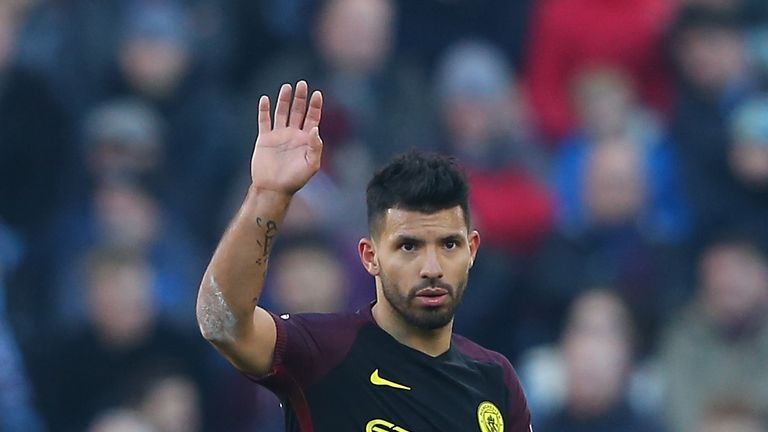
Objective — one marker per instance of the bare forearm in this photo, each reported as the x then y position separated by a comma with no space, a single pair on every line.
234,279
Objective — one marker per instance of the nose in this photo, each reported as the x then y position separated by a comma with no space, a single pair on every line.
431,268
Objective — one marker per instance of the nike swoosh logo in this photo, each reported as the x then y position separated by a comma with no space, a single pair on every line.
379,381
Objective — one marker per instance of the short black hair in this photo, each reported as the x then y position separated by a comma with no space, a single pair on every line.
417,181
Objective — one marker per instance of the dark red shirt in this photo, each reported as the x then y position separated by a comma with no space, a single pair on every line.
342,372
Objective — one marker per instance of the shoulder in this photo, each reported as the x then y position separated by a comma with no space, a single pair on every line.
322,321
321,332
477,352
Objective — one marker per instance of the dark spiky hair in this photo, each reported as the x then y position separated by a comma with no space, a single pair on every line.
417,181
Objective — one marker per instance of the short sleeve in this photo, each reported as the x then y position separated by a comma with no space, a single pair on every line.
307,347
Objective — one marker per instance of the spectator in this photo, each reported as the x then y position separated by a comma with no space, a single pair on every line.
708,47
125,215
375,104
204,137
569,35
718,349
608,112
595,363
171,402
610,249
485,126
741,194
122,337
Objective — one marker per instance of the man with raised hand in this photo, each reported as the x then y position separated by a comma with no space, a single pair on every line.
393,366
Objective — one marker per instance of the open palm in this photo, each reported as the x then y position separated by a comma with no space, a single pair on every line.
287,154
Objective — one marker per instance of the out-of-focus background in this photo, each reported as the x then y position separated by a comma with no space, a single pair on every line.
617,152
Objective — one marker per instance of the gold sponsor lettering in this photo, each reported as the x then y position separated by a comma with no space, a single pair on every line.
379,425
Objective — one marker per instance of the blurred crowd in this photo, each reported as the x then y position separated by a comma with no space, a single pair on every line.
617,152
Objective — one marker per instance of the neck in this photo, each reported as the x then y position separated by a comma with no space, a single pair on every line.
430,342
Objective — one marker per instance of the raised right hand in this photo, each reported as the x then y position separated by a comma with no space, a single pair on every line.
287,155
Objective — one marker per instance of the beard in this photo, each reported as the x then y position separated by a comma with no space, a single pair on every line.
424,318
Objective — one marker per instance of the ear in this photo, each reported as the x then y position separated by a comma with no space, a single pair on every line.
474,245
367,251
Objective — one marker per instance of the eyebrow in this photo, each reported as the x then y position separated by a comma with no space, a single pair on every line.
402,238
408,239
454,238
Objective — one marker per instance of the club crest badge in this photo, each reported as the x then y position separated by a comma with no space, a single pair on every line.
489,417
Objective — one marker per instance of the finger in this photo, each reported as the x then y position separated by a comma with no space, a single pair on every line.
315,110
283,105
315,149
265,122
299,106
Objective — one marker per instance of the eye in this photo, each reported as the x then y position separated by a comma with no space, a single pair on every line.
451,244
407,247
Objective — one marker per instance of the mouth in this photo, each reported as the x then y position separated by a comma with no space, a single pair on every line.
432,296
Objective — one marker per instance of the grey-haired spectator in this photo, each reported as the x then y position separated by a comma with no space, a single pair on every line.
484,123
124,140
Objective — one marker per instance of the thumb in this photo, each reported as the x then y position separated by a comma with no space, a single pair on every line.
315,147
314,139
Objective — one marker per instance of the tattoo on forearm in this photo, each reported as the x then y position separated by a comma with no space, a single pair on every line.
270,231
217,321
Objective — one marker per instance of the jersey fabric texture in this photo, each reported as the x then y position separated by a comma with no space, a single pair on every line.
342,372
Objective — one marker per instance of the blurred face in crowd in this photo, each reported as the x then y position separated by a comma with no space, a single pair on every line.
597,351
614,184
123,420
172,404
712,58
356,35
115,159
735,283
421,262
474,124
127,216
120,301
603,99
154,66
310,279
749,162
479,101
